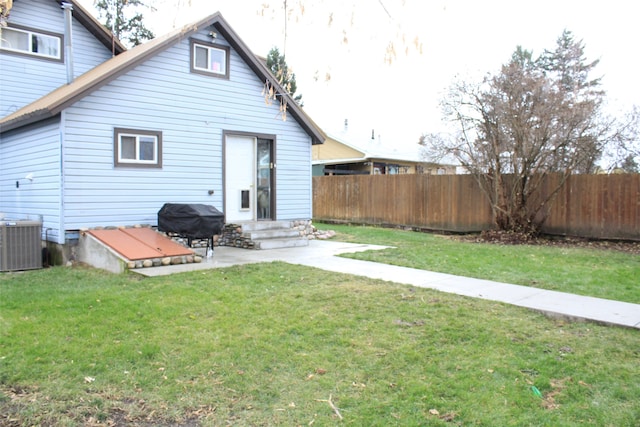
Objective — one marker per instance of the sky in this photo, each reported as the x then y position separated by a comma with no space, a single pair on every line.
338,50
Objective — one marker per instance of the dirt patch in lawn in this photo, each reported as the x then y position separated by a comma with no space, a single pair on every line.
511,238
111,412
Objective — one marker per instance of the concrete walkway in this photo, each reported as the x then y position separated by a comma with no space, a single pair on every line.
322,254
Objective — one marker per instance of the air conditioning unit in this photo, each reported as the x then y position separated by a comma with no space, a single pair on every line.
20,245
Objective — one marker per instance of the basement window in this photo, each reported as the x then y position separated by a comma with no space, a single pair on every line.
24,41
137,148
209,59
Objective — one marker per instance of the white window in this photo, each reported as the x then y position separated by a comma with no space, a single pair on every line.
209,59
138,148
31,43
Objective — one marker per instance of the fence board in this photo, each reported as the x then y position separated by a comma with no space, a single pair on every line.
594,206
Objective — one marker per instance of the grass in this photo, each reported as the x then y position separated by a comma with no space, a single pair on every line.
583,271
277,344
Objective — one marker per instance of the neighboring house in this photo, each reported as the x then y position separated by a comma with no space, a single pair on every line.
179,119
349,155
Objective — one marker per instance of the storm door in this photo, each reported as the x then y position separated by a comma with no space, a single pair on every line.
265,175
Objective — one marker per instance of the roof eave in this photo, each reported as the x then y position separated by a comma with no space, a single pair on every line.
339,161
25,120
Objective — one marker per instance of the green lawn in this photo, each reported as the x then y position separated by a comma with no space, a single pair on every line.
277,344
593,272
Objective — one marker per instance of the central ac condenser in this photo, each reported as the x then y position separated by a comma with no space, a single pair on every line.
20,245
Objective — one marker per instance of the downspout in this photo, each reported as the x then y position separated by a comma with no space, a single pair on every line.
62,234
68,45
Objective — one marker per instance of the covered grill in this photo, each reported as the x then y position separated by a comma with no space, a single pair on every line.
193,221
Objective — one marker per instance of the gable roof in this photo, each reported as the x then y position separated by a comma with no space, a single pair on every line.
99,31
52,104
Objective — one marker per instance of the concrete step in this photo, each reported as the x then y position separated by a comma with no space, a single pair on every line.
279,233
281,243
265,225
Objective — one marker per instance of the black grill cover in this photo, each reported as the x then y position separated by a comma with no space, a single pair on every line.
195,221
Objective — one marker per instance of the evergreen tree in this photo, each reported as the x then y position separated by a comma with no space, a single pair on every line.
629,165
567,64
279,68
123,18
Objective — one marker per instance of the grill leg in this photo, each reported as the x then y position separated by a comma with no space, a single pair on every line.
209,247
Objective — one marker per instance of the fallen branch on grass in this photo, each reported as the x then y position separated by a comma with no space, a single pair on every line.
330,402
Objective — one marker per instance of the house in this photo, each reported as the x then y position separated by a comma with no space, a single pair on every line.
350,154
93,135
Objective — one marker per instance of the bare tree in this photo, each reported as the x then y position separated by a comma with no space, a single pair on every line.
532,119
5,9
341,22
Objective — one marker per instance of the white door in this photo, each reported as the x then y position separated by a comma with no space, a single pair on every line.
240,169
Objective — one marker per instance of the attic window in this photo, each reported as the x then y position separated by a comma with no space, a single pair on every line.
209,59
25,41
137,148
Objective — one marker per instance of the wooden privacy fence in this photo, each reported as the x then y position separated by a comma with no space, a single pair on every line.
594,206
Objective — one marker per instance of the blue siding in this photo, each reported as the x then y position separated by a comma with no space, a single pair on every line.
31,77
34,150
192,111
